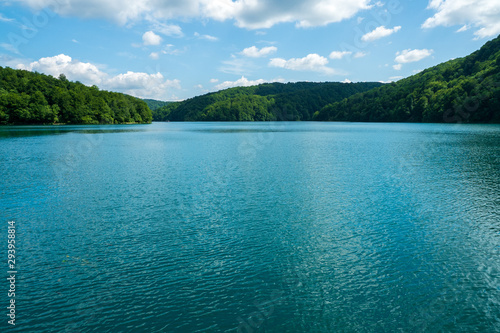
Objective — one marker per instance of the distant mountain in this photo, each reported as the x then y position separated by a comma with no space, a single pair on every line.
154,104
34,98
270,101
459,90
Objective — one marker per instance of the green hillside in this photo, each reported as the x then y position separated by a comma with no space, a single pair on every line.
33,98
460,90
270,101
154,104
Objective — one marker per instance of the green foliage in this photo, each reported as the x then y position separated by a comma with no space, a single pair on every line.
460,90
240,108
270,101
33,98
154,104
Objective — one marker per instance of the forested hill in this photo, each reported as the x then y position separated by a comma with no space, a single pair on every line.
33,98
460,90
270,101
154,104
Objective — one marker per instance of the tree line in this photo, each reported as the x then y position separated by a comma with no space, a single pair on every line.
33,98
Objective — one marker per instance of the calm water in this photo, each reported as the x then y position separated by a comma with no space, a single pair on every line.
253,227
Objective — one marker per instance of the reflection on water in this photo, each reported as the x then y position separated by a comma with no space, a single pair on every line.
22,131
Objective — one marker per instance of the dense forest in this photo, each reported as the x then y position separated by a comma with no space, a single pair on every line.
33,98
270,101
460,90
154,104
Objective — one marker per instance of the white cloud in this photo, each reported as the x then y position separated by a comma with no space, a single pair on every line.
379,32
250,14
10,48
347,81
166,29
73,69
258,14
360,54
312,62
5,19
119,11
154,55
407,56
482,14
141,85
339,54
201,88
214,80
207,37
254,52
150,38
397,67
243,82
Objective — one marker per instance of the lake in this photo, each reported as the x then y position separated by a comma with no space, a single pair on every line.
253,227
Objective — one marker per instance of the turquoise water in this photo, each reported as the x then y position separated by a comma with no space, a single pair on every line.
253,227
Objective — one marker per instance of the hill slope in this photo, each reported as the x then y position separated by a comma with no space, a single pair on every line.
33,98
460,90
154,104
270,101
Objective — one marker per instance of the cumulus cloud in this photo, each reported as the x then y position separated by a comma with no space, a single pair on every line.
243,82
339,54
484,15
258,14
407,56
141,85
254,52
150,38
312,62
119,11
73,69
379,32
250,14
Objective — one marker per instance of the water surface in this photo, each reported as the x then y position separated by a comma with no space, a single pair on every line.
254,227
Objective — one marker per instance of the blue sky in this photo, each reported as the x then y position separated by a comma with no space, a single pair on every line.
177,49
